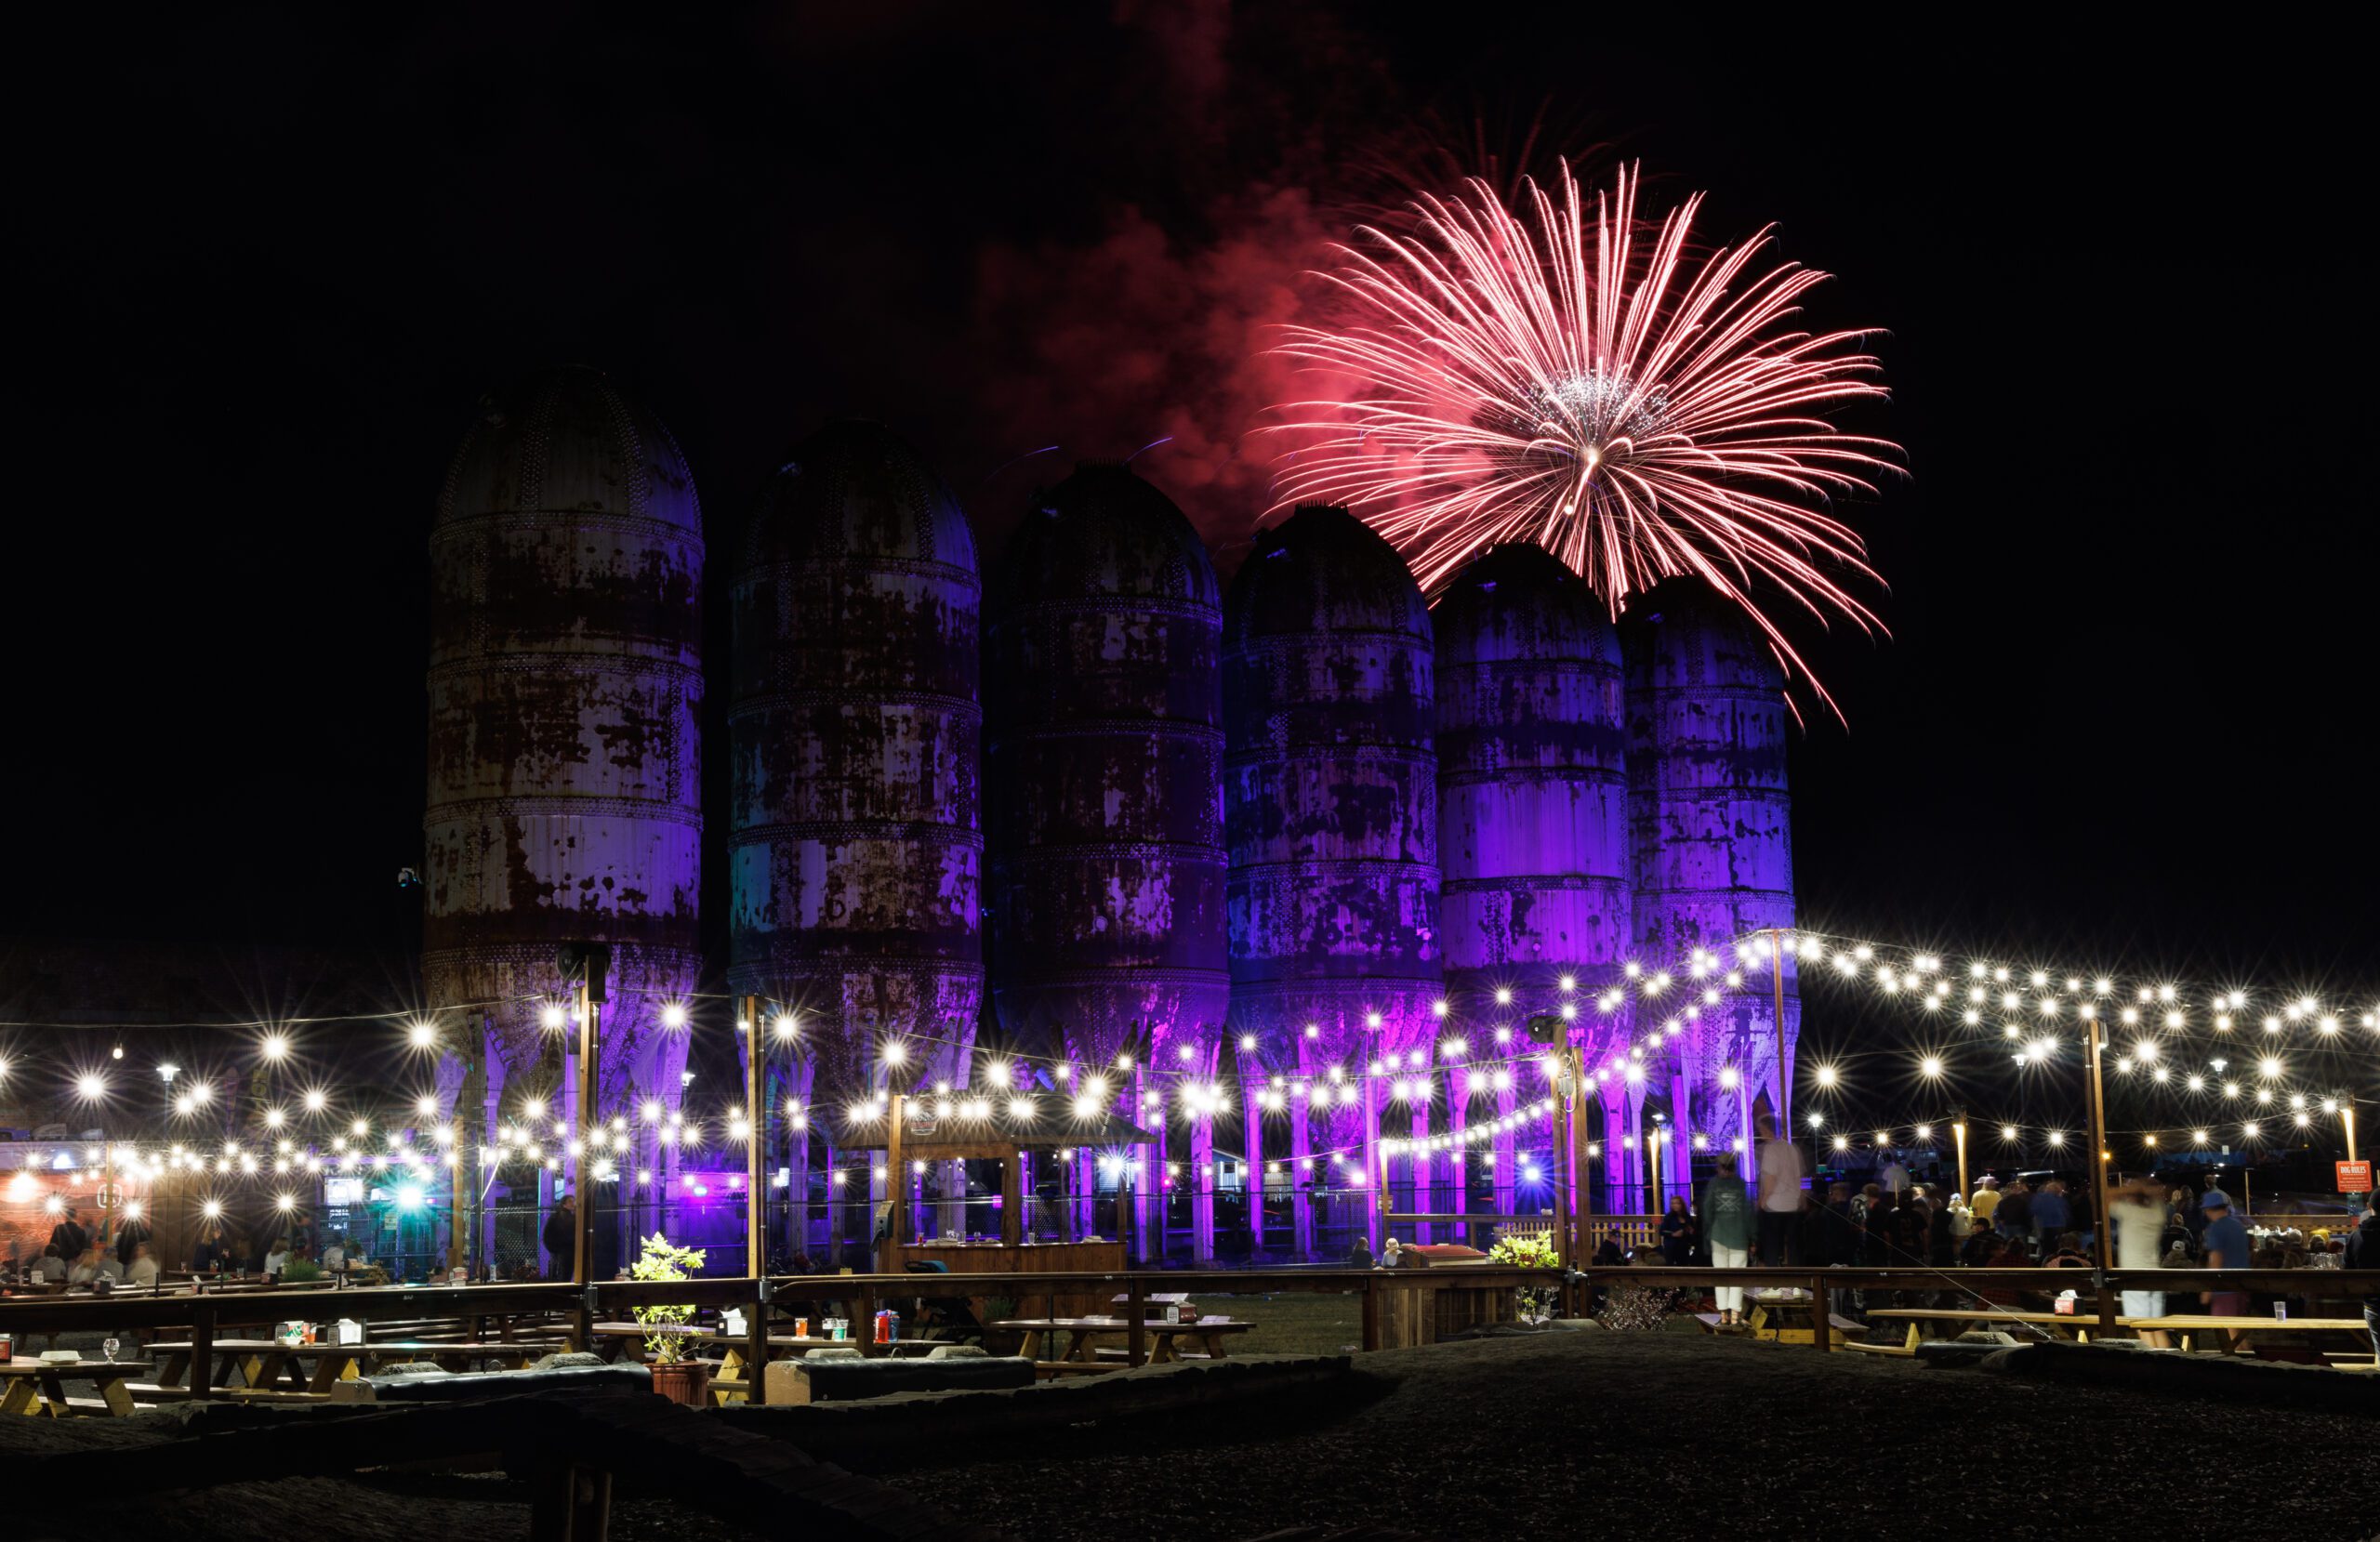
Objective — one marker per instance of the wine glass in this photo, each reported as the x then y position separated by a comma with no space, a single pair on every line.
110,1347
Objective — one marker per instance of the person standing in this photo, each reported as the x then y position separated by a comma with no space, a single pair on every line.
2223,1246
2363,1253
2053,1217
69,1236
560,1237
2138,1211
1894,1178
1727,1221
128,1238
1678,1233
1986,1200
1780,1194
2014,1216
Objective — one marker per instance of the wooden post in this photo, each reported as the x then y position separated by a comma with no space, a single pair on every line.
1562,1104
1371,1311
1784,1078
2347,1111
756,1148
896,1185
2102,1231
1959,1133
1822,1315
1136,1305
570,1503
1013,1198
590,991
1566,1220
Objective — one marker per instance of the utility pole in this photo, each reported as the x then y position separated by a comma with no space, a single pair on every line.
2101,1228
590,965
1784,1081
756,1115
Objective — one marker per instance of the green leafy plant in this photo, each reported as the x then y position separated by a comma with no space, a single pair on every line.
663,1259
1526,1250
300,1271
1529,1250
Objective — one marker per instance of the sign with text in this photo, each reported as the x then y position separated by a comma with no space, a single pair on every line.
2355,1178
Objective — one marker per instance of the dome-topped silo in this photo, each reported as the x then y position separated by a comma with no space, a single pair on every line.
1105,757
1710,835
565,686
856,842
1532,795
1330,804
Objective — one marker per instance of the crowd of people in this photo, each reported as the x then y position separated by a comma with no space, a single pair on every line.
77,1257
1777,1219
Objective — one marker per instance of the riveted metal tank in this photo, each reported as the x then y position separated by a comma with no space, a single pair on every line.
1105,761
1710,833
565,685
855,840
1330,798
1532,794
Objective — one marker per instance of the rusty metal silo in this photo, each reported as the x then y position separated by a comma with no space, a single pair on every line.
1532,795
1106,762
1710,840
855,842
565,685
1330,808
1532,801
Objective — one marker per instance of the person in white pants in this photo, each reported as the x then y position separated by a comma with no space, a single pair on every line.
1727,1221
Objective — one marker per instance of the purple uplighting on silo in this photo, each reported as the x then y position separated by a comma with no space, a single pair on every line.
1331,801
565,687
1710,840
856,842
1106,763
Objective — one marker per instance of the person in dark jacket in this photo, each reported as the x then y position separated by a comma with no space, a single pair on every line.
1837,1233
2015,1217
560,1237
1678,1233
69,1236
2363,1253
128,1236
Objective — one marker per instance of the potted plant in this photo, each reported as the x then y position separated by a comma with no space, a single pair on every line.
1529,1250
675,1376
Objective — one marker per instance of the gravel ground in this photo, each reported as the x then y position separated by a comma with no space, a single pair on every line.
1575,1435
1599,1435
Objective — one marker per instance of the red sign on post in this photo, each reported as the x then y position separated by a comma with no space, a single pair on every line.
2355,1178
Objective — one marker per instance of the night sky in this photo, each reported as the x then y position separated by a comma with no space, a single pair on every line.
2124,718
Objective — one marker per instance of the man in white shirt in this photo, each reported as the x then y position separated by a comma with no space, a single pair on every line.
1780,1195
143,1270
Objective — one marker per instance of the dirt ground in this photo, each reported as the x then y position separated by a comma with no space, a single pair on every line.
1629,1434
1578,1436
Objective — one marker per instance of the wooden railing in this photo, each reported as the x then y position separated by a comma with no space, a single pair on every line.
206,1317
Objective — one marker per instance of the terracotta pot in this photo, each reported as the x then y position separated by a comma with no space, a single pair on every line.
686,1382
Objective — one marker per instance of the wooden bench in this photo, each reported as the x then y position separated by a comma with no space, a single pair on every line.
2080,1325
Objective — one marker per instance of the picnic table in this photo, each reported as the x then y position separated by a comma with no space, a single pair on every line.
2187,1323
2079,1324
264,1367
1210,1333
38,1387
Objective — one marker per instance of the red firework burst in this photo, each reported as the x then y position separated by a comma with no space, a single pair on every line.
1577,379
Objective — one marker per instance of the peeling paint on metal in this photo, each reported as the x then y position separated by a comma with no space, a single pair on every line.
856,840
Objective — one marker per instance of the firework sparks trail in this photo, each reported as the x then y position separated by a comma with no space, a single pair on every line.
1582,382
